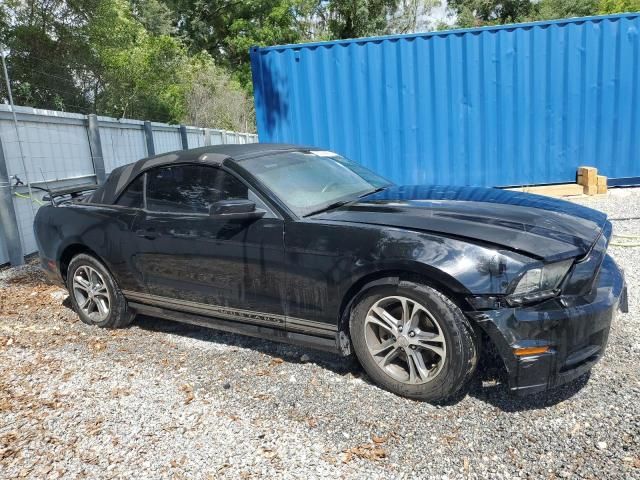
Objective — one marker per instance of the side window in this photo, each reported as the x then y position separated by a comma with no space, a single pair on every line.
191,188
133,196
260,204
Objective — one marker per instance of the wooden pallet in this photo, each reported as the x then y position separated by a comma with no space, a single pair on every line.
588,183
564,190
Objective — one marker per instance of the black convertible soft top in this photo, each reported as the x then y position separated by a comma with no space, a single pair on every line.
212,155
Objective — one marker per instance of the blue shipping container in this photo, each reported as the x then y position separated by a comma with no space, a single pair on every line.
510,105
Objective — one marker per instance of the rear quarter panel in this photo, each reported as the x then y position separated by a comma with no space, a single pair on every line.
107,231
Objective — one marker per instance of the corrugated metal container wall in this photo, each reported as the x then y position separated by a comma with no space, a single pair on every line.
512,105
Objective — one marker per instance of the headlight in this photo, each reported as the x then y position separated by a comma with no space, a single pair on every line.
539,282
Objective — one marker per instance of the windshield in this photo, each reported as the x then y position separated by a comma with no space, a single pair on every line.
309,182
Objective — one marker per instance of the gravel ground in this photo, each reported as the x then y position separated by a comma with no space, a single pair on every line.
160,399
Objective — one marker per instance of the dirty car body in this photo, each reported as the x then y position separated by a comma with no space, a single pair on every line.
528,272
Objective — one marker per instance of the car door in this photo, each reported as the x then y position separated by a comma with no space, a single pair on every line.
118,223
196,260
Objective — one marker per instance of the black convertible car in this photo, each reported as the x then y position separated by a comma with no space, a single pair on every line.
301,245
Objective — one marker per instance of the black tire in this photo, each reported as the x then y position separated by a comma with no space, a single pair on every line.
460,340
119,315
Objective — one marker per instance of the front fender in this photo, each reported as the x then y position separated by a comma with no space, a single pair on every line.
460,266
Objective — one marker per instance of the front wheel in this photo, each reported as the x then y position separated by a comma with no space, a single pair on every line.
95,296
413,341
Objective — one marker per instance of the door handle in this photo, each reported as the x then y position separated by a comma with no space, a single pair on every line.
148,234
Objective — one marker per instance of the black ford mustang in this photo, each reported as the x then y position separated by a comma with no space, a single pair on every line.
305,246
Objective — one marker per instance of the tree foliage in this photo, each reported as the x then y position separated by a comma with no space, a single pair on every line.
48,56
360,18
618,6
215,98
553,9
226,29
113,57
140,75
154,15
472,13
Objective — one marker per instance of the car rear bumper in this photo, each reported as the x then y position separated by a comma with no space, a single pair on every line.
574,328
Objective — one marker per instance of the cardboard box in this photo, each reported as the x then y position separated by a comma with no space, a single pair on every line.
590,189
587,176
602,184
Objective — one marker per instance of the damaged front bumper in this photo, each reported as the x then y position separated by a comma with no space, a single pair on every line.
574,328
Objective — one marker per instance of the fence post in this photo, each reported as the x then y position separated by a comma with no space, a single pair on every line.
148,135
207,136
8,217
95,145
183,137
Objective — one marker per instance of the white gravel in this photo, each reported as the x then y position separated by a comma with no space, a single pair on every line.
161,399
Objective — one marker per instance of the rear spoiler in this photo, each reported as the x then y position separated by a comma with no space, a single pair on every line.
71,192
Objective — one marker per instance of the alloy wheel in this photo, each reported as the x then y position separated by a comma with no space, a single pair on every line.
91,293
405,340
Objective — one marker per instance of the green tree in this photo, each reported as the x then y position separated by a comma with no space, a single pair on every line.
553,9
473,13
359,18
140,75
215,99
49,63
113,57
491,12
618,6
412,16
227,28
155,16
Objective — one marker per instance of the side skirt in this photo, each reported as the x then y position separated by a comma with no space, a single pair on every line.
231,326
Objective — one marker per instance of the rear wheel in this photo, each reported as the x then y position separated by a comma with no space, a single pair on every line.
413,341
95,296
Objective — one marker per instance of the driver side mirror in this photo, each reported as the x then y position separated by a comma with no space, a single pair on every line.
240,208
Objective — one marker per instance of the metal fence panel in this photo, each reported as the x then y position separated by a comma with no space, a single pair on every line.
57,154
26,212
54,147
122,142
217,137
496,106
231,137
166,138
4,255
195,137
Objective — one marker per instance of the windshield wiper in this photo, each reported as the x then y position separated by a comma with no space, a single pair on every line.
340,203
331,206
366,194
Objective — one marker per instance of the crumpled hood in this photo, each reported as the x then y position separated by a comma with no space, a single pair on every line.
542,227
